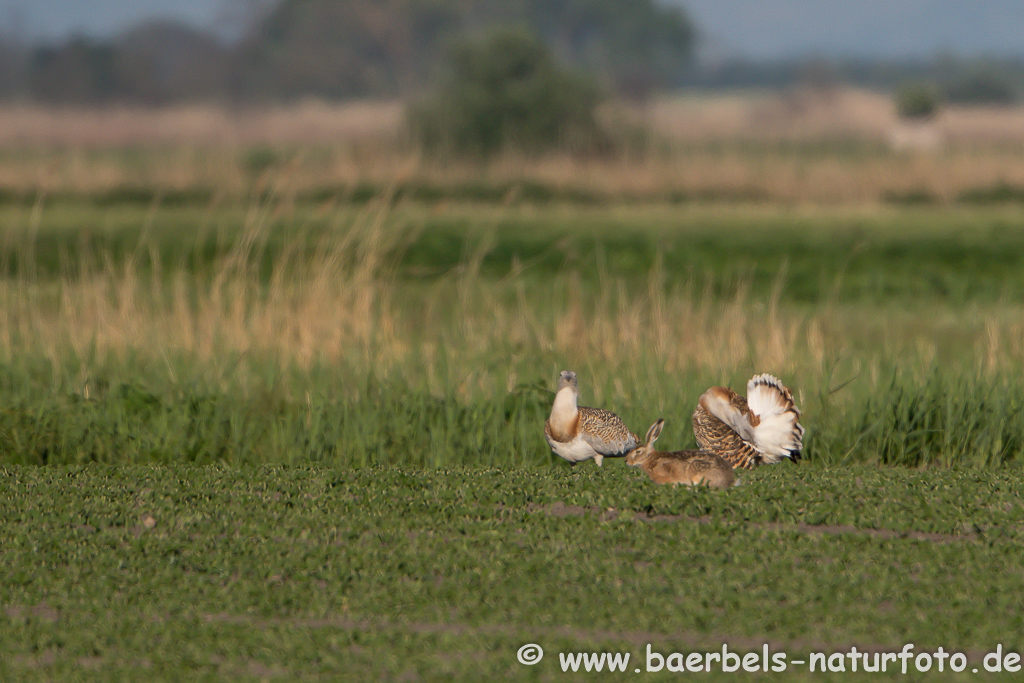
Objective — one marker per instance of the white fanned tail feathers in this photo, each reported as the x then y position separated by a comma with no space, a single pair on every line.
779,433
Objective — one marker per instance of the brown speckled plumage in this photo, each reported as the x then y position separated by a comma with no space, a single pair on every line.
608,428
715,435
604,429
582,433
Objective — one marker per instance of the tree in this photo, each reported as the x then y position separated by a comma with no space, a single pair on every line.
916,101
78,71
167,61
637,45
338,49
506,91
345,48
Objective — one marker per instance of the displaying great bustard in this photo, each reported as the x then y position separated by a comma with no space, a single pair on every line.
762,428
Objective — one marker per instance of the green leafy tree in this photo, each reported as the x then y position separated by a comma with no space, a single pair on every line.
916,101
506,91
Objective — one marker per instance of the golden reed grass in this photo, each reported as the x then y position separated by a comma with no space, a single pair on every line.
345,306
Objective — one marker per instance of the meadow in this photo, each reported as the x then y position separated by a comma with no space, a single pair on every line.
397,333
394,573
269,412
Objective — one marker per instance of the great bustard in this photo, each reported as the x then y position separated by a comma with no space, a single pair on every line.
763,428
577,433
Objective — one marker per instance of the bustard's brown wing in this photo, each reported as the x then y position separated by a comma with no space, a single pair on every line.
605,432
726,439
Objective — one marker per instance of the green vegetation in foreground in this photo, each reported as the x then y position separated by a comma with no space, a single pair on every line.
365,510
318,416
392,573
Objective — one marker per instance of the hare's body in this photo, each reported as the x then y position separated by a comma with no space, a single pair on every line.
578,433
762,428
690,468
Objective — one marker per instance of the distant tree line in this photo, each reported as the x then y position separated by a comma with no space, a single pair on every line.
155,63
338,49
348,48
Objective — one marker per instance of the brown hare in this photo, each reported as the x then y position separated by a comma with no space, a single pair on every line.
680,467
762,428
577,433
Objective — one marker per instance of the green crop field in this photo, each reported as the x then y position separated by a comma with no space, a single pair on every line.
395,573
284,439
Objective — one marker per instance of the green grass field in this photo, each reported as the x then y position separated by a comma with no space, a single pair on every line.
387,573
284,441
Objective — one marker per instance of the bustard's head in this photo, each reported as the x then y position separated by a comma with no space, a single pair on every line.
567,378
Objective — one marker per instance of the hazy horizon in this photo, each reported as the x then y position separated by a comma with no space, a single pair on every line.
887,29
781,29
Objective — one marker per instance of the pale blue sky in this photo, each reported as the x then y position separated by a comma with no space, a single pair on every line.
874,28
54,19
754,28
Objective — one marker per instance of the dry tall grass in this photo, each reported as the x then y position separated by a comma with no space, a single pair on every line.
467,333
311,122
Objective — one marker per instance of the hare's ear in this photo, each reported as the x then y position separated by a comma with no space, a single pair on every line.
654,432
